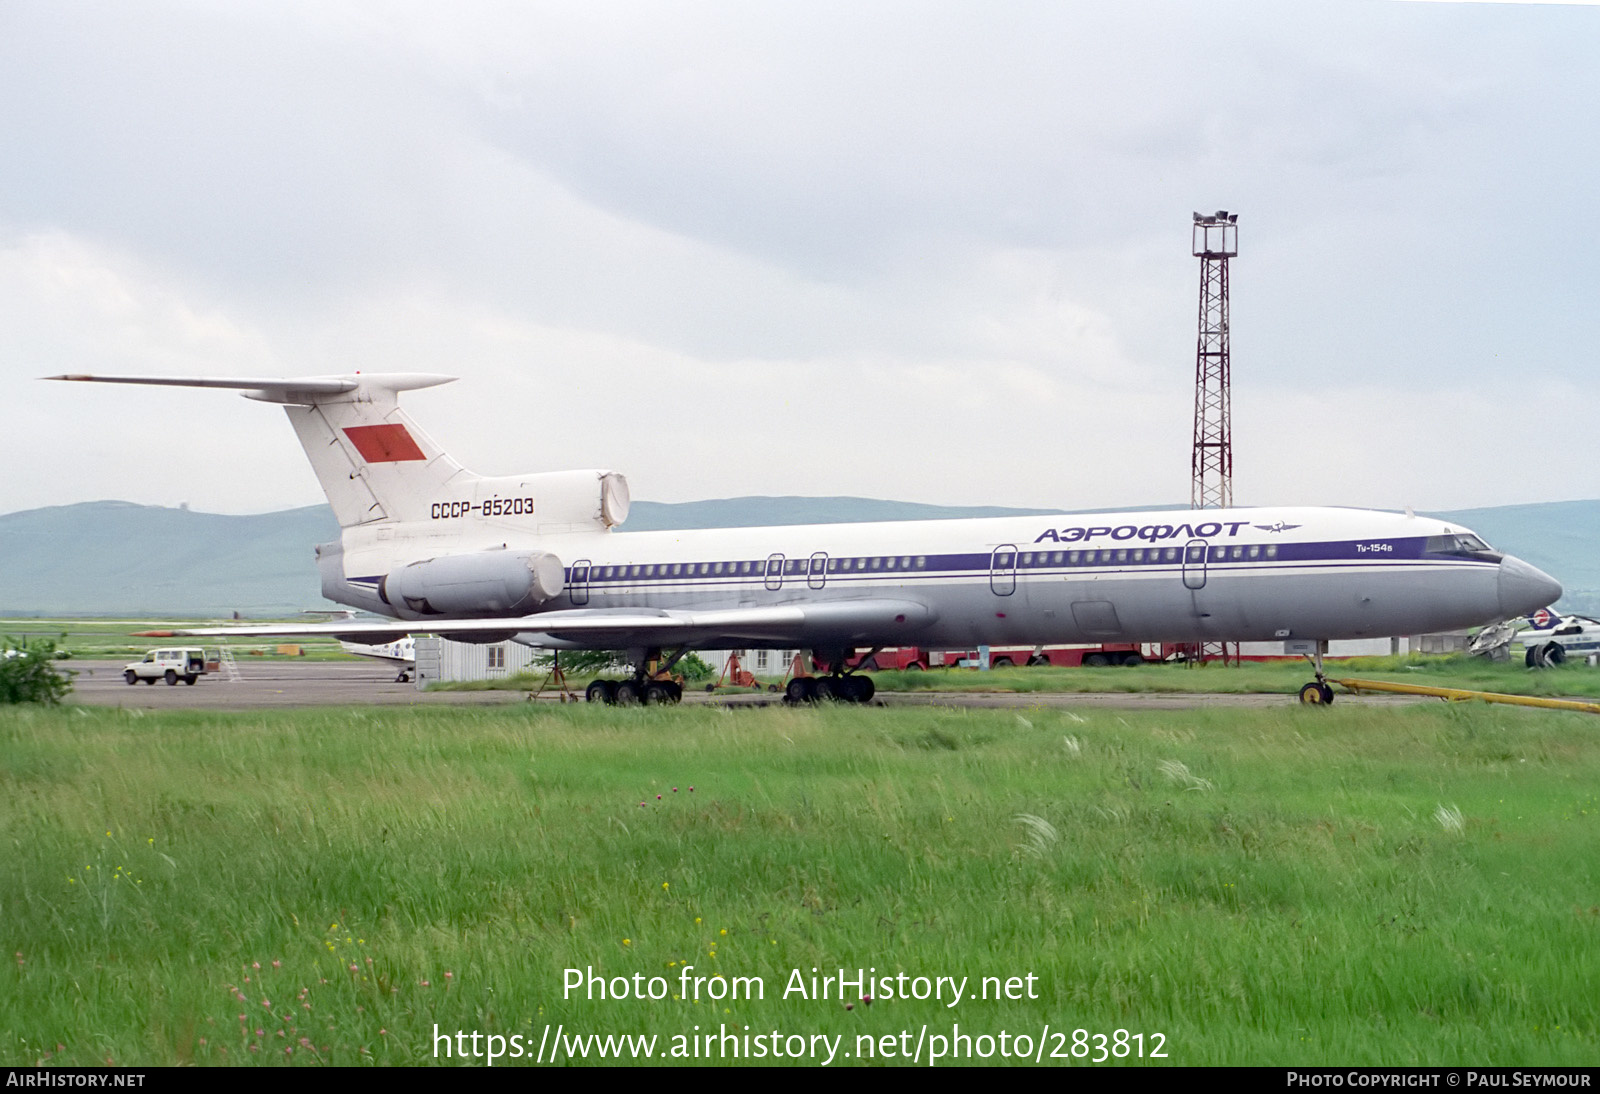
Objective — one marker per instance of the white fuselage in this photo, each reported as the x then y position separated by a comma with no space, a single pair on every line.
1235,575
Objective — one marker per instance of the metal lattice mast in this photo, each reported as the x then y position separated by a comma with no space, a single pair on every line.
1213,240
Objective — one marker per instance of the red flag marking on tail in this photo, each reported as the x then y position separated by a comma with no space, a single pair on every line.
384,443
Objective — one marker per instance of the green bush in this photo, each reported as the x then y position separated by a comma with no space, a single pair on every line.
27,675
692,667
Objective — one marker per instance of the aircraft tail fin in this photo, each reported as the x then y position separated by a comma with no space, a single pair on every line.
377,467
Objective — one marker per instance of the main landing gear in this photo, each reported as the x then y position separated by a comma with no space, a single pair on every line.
840,685
1318,693
844,687
650,684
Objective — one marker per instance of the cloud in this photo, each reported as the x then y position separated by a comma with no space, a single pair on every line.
931,251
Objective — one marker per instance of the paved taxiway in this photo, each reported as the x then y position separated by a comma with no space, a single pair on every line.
269,684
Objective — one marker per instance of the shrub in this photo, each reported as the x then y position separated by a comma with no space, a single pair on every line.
28,676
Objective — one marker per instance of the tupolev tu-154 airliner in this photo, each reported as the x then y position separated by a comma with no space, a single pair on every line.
532,558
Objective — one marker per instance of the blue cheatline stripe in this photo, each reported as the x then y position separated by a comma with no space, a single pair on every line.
1221,559
1062,561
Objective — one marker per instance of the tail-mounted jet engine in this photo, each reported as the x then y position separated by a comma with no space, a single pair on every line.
481,583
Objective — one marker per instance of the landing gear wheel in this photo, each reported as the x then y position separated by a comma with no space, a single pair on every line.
1316,694
800,690
858,689
627,693
171,678
599,691
658,693
825,689
131,677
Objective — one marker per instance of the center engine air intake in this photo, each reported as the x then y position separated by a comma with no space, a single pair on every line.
481,583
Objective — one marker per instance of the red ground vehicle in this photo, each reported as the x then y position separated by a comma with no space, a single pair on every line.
1000,657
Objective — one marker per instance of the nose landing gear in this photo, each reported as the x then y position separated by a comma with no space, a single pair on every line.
1318,692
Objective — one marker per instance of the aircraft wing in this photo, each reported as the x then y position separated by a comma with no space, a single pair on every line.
869,621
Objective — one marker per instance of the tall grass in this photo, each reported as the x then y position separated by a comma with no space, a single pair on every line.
1261,887
1282,677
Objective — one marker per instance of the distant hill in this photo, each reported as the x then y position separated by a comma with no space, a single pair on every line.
1559,537
655,516
117,558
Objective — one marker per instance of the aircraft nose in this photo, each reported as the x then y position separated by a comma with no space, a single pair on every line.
1524,588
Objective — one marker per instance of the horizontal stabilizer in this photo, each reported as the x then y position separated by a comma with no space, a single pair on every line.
305,390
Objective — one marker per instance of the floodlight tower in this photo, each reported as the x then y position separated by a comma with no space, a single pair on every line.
1213,240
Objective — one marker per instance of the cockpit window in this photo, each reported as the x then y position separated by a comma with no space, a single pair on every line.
1462,546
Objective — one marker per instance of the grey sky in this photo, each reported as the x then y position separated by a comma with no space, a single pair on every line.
936,252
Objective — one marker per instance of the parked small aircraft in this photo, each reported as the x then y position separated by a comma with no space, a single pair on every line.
534,558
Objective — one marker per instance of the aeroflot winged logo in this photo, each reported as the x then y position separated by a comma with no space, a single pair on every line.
1277,526
384,443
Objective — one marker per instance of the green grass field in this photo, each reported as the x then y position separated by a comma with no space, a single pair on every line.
1282,677
1267,677
1417,885
94,639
